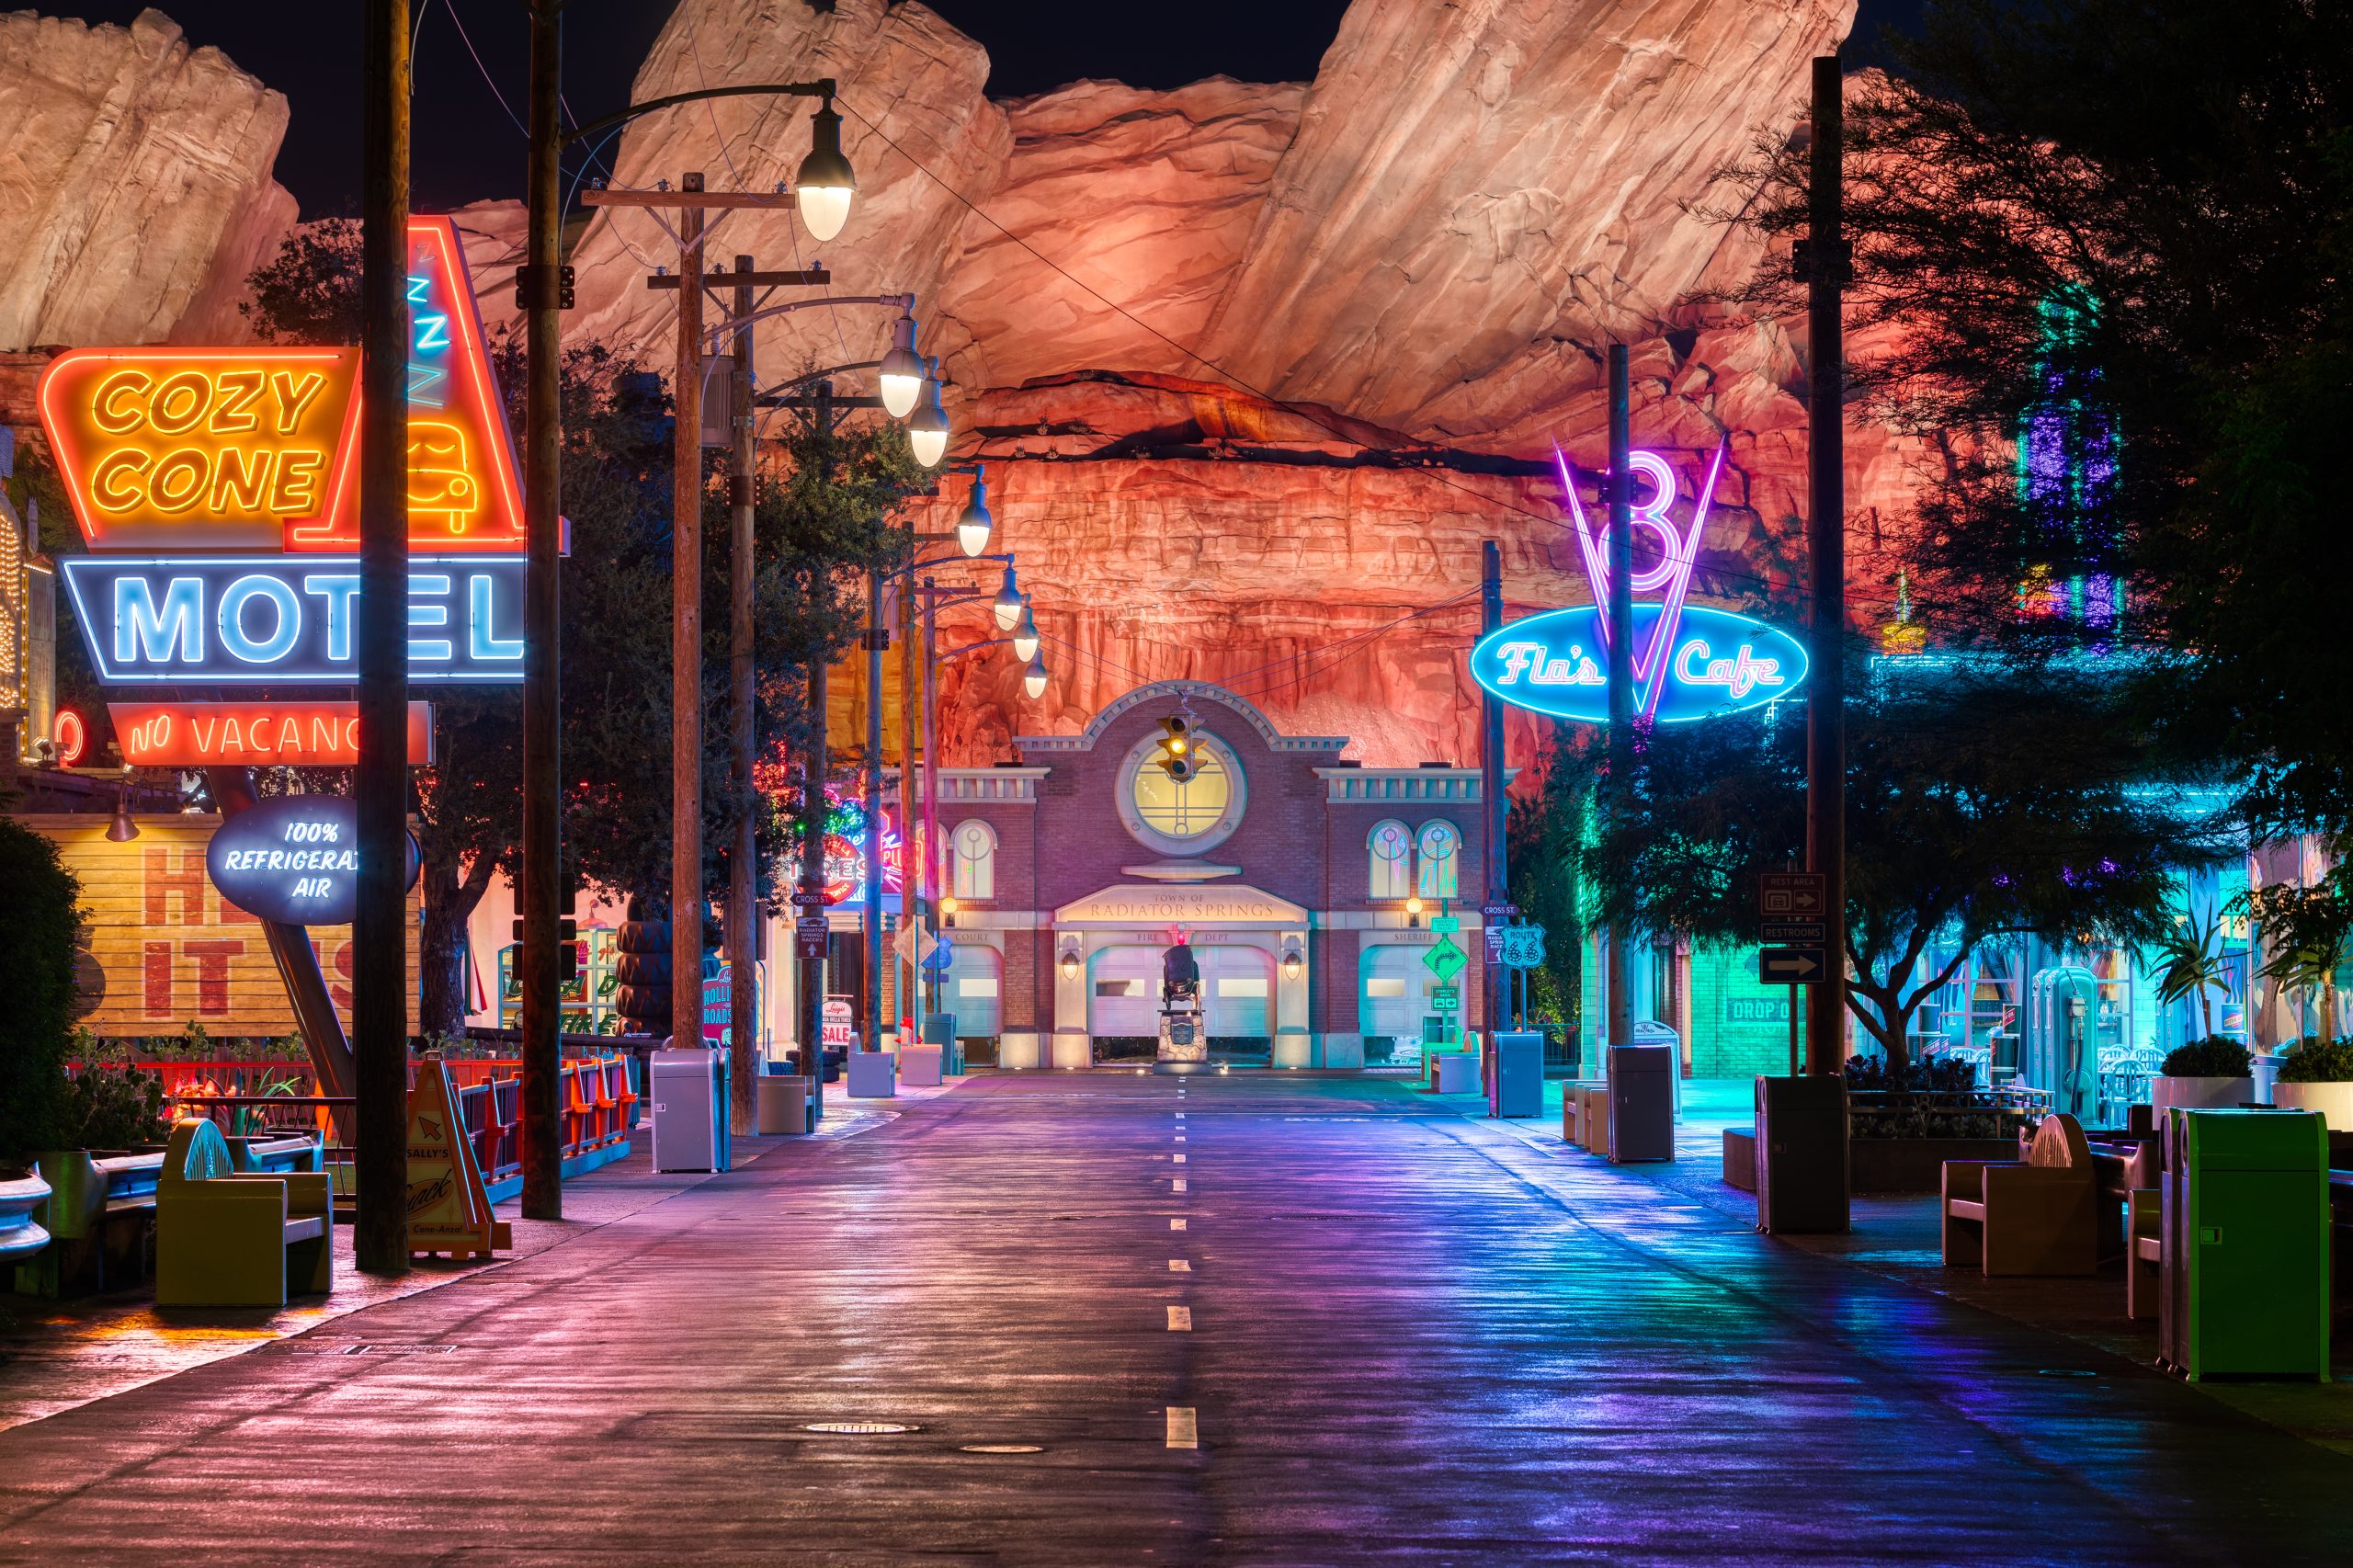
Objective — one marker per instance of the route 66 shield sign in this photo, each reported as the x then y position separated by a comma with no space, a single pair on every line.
1523,946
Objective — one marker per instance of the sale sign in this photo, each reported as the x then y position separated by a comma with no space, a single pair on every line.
253,735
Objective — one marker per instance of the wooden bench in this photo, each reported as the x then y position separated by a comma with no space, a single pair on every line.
228,1238
2039,1216
2144,1253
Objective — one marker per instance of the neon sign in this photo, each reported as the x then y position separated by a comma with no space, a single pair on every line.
212,734
845,853
1689,661
294,859
257,449
286,618
72,737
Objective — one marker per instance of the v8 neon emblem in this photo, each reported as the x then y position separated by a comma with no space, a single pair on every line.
1670,578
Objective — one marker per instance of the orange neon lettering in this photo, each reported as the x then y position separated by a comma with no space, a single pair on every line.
109,495
295,395
179,403
297,490
290,735
177,481
232,738
351,735
204,728
323,728
102,410
240,479
238,390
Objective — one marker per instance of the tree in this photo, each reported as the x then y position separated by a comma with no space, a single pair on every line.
1982,802
2310,933
2191,948
37,977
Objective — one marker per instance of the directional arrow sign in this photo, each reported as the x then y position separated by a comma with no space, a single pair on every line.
1790,966
1792,892
1445,960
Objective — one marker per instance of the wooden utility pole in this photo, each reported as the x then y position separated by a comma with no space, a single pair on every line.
380,981
1825,260
542,289
1491,787
742,860
910,832
878,638
1620,613
685,640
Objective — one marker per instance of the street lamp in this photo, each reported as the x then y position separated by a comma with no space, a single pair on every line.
1034,678
825,184
1006,605
902,371
928,426
974,525
1025,636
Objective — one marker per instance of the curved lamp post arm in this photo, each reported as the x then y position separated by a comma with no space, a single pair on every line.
899,301
822,87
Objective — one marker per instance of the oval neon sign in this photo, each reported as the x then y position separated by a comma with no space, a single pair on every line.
1720,662
294,859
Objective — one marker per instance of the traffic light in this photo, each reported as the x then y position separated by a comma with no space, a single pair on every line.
1176,758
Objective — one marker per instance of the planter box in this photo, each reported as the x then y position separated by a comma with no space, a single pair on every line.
1916,1164
2198,1093
2333,1101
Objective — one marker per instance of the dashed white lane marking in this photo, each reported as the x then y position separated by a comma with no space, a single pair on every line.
1178,1266
1180,1185
1178,1158
1184,1429
1175,1224
1180,1115
1180,1320
1180,1138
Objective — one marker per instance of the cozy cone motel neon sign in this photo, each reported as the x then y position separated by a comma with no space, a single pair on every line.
1690,662
218,489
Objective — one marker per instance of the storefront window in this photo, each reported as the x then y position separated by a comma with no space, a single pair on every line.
975,872
1440,871
1392,848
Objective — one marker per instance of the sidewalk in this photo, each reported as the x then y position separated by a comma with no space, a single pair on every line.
1900,1238
55,1356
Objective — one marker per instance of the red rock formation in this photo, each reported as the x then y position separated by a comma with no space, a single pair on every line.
134,174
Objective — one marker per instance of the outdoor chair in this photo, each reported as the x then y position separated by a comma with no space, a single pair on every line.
2037,1216
228,1239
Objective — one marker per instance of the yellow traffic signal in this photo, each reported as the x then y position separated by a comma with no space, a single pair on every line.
1176,758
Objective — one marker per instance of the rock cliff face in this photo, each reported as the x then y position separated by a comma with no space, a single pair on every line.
1525,187
134,172
911,102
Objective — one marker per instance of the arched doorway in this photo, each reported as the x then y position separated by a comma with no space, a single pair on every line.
1123,1003
1238,998
1392,1003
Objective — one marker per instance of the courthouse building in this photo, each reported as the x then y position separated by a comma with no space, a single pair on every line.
1305,883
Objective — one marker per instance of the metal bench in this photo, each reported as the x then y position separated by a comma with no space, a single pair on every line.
229,1238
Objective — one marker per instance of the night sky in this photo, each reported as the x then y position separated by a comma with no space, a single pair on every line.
467,148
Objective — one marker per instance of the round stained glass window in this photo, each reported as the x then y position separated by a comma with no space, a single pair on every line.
1184,818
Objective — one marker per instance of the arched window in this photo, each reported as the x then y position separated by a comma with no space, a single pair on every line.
974,844
1440,870
1391,849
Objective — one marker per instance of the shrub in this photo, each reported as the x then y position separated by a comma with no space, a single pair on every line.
2216,1056
1930,1074
36,989
107,1109
2312,1060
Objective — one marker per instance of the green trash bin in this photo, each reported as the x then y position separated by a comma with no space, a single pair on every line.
2244,1217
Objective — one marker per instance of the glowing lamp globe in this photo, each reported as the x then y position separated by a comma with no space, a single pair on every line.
928,426
1006,605
902,371
826,185
972,527
1034,679
1025,636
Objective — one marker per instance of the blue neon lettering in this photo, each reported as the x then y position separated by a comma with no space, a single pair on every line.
437,650
143,630
282,634
338,588
482,597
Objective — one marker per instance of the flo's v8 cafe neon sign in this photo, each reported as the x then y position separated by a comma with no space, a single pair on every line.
1689,661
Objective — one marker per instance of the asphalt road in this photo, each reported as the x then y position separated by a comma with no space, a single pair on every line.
1252,1319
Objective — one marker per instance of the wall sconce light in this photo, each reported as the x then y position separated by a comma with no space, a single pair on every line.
1070,963
1293,961
124,830
948,909
1413,911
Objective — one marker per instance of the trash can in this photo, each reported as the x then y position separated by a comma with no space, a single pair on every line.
873,1074
1803,1170
780,1105
689,1092
2243,1214
1518,1087
1642,1103
919,1066
1454,1073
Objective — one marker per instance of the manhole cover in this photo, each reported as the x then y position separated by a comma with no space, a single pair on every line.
1001,1448
859,1428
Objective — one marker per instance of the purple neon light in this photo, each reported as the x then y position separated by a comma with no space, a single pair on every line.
1678,556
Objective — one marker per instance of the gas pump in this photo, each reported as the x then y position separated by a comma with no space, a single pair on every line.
2060,1054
